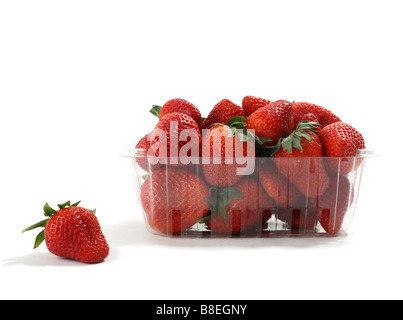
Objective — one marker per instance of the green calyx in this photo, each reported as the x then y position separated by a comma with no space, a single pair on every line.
294,139
238,126
155,110
49,213
219,200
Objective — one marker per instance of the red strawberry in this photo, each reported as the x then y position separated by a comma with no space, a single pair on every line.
172,126
217,170
323,115
299,159
174,200
250,104
239,208
142,159
272,121
72,232
281,190
343,141
222,113
334,203
178,105
312,118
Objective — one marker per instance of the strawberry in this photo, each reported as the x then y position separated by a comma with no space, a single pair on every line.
174,200
324,116
312,118
272,121
238,208
343,141
172,126
334,203
180,106
72,232
250,104
142,160
281,190
299,159
222,113
217,170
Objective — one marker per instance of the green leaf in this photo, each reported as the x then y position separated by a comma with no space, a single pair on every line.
242,136
231,132
64,205
155,110
307,125
39,239
239,120
208,217
37,225
234,193
296,143
48,211
303,134
76,204
287,144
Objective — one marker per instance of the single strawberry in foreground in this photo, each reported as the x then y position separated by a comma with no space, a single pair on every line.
323,115
222,113
217,170
178,105
250,104
174,200
343,141
238,208
299,159
72,232
171,126
272,121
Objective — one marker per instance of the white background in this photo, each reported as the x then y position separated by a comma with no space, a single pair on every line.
77,79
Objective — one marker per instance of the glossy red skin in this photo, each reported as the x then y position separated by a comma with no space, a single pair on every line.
142,160
304,169
181,106
222,113
252,210
221,174
341,140
250,104
334,203
75,233
174,200
324,116
281,190
272,121
184,122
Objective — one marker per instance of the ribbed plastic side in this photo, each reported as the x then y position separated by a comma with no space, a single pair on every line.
281,197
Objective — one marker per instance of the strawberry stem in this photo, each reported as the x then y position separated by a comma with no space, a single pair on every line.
219,200
155,110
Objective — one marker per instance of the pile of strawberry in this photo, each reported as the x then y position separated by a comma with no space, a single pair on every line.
304,154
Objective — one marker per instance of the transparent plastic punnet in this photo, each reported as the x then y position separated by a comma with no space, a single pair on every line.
278,197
